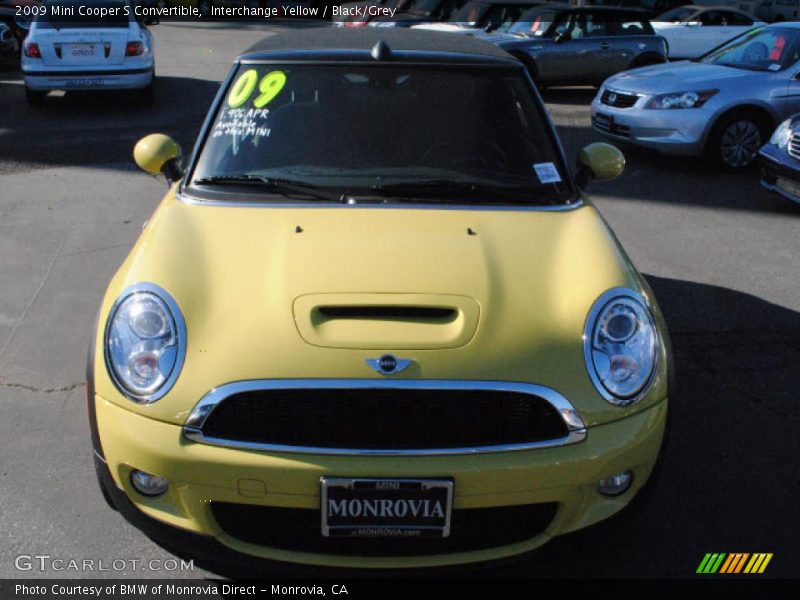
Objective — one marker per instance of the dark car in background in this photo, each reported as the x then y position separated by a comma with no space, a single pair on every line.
779,160
419,11
652,8
483,15
364,19
9,47
568,45
17,15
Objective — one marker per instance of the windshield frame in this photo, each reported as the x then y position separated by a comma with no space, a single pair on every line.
702,58
227,196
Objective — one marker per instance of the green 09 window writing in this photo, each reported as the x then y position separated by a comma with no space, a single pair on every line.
242,90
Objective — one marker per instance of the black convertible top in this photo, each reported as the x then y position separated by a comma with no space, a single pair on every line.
335,44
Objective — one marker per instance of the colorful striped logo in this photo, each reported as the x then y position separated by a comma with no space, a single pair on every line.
736,562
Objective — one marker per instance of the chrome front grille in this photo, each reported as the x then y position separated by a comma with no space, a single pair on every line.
794,146
363,416
618,99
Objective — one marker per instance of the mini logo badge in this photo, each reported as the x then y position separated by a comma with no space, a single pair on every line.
388,364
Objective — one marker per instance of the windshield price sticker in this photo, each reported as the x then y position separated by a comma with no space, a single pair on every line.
547,173
270,86
242,122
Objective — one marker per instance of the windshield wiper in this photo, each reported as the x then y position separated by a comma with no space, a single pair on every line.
446,190
284,187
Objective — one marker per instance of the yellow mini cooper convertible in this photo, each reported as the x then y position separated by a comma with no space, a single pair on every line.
375,322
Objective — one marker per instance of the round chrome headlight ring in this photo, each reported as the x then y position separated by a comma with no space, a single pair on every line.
144,342
620,346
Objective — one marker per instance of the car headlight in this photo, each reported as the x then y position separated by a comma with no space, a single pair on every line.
782,134
680,99
145,342
620,342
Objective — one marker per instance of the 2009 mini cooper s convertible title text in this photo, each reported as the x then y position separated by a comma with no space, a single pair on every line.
375,322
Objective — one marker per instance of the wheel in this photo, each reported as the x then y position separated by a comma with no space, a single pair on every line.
34,97
736,139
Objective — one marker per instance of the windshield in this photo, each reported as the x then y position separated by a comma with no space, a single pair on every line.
534,22
675,15
360,131
83,14
471,14
763,49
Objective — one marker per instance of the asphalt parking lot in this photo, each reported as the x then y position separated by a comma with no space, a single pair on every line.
722,255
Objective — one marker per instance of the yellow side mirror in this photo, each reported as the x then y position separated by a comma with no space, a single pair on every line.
604,161
155,152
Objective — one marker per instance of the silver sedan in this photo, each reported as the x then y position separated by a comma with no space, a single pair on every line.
724,105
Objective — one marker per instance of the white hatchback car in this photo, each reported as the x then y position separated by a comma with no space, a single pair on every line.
88,45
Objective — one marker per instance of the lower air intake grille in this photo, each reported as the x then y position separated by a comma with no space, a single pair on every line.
299,530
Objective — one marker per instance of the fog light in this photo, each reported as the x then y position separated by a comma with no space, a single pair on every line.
149,485
616,484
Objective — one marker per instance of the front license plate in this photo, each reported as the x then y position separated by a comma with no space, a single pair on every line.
83,83
82,49
386,507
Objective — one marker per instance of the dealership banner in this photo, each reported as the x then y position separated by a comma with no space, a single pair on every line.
380,589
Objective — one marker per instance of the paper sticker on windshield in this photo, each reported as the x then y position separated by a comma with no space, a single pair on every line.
774,67
547,173
242,122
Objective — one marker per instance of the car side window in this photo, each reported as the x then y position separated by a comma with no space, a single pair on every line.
494,16
510,16
562,25
733,18
591,25
630,27
711,18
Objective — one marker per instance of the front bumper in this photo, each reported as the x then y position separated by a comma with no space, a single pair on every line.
105,79
201,475
676,131
780,173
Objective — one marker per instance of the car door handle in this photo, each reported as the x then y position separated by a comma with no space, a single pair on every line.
605,46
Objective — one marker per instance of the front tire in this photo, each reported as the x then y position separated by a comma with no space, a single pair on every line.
736,139
34,97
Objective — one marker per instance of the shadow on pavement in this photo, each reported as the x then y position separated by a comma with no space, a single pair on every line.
569,95
723,483
100,128
691,181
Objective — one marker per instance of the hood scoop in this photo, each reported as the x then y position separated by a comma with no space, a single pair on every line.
386,321
393,313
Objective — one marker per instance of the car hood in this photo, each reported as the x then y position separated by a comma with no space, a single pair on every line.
679,76
249,280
